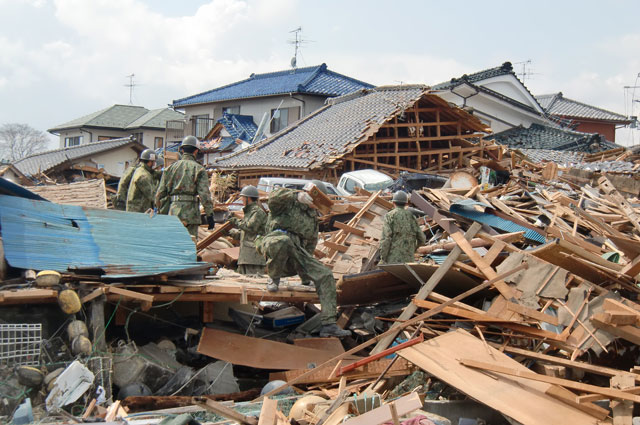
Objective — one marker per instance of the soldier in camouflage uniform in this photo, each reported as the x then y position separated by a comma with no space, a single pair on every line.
120,200
251,226
291,229
181,185
400,233
142,189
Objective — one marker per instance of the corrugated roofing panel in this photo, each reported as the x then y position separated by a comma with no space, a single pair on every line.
497,222
46,236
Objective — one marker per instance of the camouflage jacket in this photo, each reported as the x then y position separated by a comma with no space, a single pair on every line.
142,190
120,201
287,213
251,226
180,186
401,235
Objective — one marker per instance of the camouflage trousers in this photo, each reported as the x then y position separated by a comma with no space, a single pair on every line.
286,257
193,231
250,269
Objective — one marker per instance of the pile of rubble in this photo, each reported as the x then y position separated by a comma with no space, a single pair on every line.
521,308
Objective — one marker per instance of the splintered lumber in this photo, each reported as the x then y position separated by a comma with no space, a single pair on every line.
379,355
382,414
598,370
569,398
622,410
394,330
224,411
518,398
498,368
624,206
630,333
268,412
258,353
215,235
423,293
368,371
148,403
485,268
125,293
321,201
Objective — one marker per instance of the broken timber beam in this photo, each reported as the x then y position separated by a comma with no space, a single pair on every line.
217,233
423,293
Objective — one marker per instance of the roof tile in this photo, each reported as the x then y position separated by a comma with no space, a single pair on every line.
558,105
311,80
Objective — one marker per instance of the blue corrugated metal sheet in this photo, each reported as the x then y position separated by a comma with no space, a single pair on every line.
496,222
47,236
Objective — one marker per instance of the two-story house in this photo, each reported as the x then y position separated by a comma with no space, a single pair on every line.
274,100
146,126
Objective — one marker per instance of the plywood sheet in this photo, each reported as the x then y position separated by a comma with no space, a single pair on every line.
90,193
521,399
331,345
258,353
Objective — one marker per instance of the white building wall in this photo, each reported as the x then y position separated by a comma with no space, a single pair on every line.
256,107
113,162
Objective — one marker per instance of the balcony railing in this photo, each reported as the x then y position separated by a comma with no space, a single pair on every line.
176,130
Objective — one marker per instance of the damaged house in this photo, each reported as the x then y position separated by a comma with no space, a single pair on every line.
390,128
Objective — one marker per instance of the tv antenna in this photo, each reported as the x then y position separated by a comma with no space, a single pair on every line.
297,42
526,70
131,85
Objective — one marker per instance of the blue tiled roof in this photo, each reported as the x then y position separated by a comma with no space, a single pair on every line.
310,80
239,126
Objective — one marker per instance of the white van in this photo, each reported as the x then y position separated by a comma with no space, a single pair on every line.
368,179
269,184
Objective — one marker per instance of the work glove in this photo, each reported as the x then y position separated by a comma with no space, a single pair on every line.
305,198
210,221
234,221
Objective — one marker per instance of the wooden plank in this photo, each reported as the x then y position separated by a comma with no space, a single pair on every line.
518,398
598,370
622,410
92,295
349,229
268,412
620,200
258,353
125,293
504,289
424,291
215,235
403,406
369,371
335,246
633,268
492,367
569,398
630,333
487,318
534,314
224,411
394,330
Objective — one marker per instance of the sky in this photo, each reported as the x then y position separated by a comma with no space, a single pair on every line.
62,59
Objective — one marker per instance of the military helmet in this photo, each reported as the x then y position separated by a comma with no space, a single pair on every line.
190,141
317,183
148,155
250,192
400,197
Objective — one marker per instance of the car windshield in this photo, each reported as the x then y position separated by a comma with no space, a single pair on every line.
379,185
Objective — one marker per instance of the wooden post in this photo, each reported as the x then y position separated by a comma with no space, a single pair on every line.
622,410
97,324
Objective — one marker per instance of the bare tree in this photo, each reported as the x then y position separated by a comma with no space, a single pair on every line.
20,140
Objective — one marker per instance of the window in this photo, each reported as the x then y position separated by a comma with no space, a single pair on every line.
202,125
138,137
281,118
231,110
158,142
350,185
72,141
